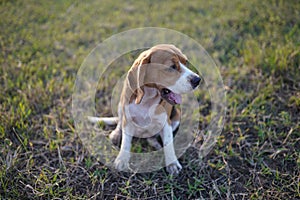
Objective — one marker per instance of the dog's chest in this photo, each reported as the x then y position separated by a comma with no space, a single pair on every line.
145,119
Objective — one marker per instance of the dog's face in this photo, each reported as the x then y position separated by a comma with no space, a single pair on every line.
163,67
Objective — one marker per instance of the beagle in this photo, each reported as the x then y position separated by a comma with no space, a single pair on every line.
152,88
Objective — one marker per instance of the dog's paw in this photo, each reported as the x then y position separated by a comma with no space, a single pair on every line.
122,162
174,168
115,137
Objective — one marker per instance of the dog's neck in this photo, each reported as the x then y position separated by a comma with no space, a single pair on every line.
151,95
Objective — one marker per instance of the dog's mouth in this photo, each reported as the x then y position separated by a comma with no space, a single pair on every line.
170,96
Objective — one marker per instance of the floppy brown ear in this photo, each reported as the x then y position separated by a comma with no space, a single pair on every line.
136,75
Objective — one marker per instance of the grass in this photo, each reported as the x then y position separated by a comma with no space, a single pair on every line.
256,45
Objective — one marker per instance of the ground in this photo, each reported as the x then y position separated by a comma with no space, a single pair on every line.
256,47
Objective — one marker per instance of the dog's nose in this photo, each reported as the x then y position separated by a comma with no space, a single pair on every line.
195,81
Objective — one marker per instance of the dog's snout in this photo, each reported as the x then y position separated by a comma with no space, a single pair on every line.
195,81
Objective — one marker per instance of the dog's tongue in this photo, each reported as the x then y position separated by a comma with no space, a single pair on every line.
175,98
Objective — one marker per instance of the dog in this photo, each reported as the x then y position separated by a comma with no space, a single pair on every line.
147,107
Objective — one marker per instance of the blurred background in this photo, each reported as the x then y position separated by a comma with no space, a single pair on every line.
256,47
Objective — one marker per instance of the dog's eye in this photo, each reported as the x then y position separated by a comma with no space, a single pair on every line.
173,67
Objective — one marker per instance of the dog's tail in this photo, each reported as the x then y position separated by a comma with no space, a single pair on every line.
106,120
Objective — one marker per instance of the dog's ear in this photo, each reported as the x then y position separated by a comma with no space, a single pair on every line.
136,75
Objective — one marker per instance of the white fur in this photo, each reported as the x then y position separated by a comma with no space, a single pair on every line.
183,84
122,160
142,118
175,125
139,119
173,166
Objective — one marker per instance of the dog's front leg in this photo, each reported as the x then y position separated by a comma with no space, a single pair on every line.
122,160
173,165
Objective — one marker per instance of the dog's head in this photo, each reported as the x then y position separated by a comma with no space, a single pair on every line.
163,67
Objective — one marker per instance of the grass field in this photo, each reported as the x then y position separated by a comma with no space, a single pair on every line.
256,45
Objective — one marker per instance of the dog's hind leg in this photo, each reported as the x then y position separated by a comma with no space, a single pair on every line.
153,141
116,135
